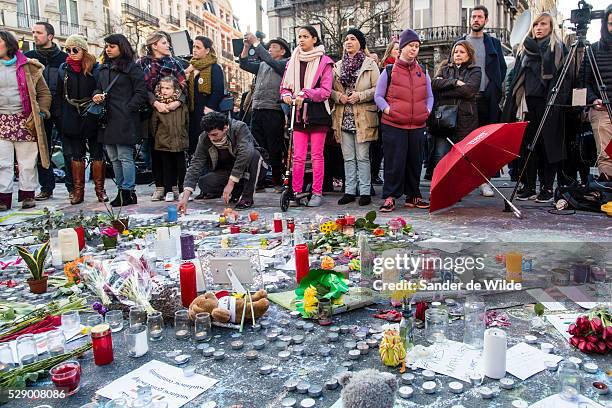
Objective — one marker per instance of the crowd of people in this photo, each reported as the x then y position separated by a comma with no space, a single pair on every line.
390,112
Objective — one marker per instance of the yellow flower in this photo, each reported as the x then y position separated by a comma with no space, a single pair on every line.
126,232
310,300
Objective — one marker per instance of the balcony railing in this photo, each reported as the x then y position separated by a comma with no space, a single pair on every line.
449,34
195,19
173,20
27,20
228,55
140,14
68,29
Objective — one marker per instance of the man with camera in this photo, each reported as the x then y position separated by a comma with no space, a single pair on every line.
598,115
268,119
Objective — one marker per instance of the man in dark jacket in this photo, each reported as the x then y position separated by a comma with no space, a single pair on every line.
50,55
268,119
226,163
598,115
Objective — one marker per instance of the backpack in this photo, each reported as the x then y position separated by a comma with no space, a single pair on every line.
586,198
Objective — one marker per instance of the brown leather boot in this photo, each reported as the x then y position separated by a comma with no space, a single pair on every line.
78,178
98,172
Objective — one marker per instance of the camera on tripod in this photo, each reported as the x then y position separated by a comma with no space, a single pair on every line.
582,16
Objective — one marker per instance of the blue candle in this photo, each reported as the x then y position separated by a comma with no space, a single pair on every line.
172,213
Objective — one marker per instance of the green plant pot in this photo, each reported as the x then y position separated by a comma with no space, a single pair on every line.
38,286
109,242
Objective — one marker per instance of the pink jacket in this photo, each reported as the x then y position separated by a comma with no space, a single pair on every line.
325,73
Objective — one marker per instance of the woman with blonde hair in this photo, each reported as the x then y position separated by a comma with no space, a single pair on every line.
391,54
537,67
77,83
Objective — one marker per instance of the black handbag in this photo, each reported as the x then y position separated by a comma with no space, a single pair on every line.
443,119
97,111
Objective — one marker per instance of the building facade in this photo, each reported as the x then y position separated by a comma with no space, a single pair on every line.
438,22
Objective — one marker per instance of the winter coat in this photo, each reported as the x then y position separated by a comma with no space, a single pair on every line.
205,158
553,129
365,111
495,68
447,92
40,102
127,95
269,73
170,129
78,86
202,101
51,62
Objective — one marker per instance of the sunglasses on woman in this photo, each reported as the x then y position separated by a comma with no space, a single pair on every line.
73,50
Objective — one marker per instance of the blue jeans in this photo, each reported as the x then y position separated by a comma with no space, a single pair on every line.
122,158
441,148
356,164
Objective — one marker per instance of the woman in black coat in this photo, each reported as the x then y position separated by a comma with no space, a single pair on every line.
76,83
457,83
123,102
537,67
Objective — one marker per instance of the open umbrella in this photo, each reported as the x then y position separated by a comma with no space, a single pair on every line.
473,160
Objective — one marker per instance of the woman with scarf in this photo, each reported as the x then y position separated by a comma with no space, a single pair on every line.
355,115
309,76
123,101
24,103
159,63
205,85
76,84
538,64
391,54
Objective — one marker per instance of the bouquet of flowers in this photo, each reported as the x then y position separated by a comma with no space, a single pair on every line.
592,333
319,283
129,279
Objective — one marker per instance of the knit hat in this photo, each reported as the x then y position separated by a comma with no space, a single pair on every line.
76,40
280,41
359,35
407,36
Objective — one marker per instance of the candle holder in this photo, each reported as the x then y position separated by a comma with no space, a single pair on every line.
436,323
56,342
136,341
202,326
26,349
181,324
67,376
114,318
137,316
569,381
155,325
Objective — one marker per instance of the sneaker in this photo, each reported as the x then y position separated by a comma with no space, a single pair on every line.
28,203
158,194
416,202
345,199
527,194
545,196
364,200
169,197
486,190
315,201
43,195
388,206
189,199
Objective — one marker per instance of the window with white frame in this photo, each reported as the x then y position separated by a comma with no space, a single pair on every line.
69,12
466,12
421,16
107,17
28,7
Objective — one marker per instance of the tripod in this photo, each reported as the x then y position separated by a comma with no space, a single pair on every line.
580,42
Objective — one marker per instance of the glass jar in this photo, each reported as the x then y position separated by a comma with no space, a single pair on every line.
395,229
56,342
436,324
102,344
137,316
569,380
136,340
117,403
290,224
71,321
6,357
67,376
114,318
474,322
94,320
26,349
325,312
155,325
202,326
181,324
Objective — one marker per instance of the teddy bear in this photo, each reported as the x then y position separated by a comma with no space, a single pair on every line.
368,389
225,308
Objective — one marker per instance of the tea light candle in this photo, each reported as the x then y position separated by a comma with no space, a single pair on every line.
295,314
456,387
307,403
546,347
285,338
281,345
271,336
429,387
324,351
429,375
485,392
265,369
237,345
354,354
300,324
360,336
308,327
302,387
550,365
298,350
251,355
315,391
331,384
288,402
349,345
348,364
590,368
297,339
601,387
332,337
520,404
363,347
506,383
344,329
529,339
334,329
405,391
284,355
476,378
291,385
265,323
575,360
372,343
259,344
182,359
219,355
407,378
189,371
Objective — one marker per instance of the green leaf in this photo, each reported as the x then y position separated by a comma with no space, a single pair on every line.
360,223
29,260
41,257
539,309
371,216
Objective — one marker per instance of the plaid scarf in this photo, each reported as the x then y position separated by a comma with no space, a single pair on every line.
350,69
157,68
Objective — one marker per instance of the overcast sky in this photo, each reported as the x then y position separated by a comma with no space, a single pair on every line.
245,11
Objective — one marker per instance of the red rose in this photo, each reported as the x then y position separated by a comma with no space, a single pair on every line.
591,348
607,333
609,344
596,325
574,341
601,347
582,345
583,323
573,330
591,338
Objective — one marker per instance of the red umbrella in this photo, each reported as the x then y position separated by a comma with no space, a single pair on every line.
473,160
608,150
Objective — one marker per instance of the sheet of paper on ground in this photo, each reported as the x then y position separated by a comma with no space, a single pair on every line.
523,360
167,382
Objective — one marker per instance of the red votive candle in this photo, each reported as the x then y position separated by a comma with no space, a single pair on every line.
81,235
67,376
234,229
102,344
350,220
189,289
302,266
278,222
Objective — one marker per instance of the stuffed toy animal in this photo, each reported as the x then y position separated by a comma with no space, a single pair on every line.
368,389
225,308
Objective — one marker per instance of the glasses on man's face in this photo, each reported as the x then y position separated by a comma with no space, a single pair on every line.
73,50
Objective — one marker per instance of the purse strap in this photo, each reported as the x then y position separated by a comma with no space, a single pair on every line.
110,85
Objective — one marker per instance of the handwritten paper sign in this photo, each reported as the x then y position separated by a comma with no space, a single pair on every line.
562,321
167,383
451,358
523,360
